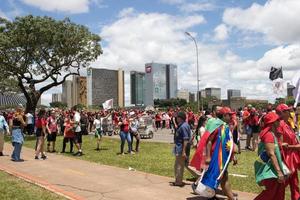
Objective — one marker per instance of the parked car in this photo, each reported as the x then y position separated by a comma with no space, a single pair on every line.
146,129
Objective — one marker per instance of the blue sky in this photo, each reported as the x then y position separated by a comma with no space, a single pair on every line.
238,39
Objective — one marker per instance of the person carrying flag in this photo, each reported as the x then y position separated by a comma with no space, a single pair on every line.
219,152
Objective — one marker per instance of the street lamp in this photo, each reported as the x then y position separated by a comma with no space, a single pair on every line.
198,103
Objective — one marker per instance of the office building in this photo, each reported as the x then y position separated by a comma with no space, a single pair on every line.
213,92
57,97
160,82
183,94
137,87
67,93
233,93
105,84
192,97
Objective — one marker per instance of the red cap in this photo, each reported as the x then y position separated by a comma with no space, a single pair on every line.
225,110
270,118
282,107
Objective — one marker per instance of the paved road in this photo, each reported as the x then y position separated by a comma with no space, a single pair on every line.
78,179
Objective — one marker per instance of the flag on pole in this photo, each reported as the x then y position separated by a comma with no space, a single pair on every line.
108,104
296,92
276,76
275,73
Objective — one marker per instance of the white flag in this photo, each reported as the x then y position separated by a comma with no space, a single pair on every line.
296,92
108,104
279,87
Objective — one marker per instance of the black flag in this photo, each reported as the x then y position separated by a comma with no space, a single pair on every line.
275,73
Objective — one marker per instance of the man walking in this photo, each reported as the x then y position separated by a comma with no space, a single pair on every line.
182,148
3,127
78,134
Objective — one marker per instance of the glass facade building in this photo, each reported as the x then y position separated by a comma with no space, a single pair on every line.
160,82
137,83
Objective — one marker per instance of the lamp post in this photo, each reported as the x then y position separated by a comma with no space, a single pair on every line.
188,34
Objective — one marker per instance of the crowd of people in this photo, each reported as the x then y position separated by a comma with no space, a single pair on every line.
271,132
274,135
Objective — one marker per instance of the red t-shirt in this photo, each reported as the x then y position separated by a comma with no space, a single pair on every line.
69,133
40,122
267,137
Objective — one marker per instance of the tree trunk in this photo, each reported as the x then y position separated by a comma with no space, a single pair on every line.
32,101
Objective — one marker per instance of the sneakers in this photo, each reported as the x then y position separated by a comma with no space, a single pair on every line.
78,154
44,157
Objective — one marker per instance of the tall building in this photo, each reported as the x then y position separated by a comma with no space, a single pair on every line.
79,90
183,94
105,84
160,82
213,92
233,93
67,93
137,85
192,97
57,97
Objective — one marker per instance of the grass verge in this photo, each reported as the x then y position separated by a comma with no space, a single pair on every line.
17,189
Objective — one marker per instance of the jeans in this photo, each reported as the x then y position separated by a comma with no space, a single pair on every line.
17,151
125,136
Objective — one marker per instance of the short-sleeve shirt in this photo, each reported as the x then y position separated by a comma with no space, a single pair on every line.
267,138
40,122
183,133
52,124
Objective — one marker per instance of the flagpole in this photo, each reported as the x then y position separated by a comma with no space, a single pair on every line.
297,97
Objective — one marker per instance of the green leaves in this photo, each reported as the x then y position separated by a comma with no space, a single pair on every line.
36,49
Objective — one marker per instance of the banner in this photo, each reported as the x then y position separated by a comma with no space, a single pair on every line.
108,104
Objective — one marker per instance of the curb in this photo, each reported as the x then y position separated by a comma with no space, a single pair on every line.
43,184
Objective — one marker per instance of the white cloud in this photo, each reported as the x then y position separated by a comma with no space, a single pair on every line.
137,39
195,7
3,15
276,19
221,32
126,12
173,2
69,6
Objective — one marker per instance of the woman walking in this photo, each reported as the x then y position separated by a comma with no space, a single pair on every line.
269,168
17,124
125,135
40,134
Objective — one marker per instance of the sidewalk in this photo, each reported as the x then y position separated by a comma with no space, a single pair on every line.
77,179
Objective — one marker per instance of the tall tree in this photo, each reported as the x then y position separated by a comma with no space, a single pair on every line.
41,52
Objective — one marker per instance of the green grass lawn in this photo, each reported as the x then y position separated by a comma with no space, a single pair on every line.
155,158
17,189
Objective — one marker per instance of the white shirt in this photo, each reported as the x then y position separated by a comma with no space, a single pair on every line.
77,120
97,123
29,117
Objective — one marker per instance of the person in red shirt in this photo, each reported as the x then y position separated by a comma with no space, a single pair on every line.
52,127
274,185
125,135
68,134
157,121
291,158
253,123
40,134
